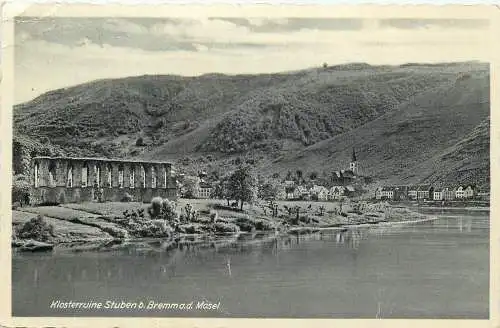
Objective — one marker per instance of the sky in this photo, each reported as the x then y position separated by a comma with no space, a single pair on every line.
56,52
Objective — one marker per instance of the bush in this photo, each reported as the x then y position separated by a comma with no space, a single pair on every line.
127,198
153,229
20,190
116,232
154,210
37,229
246,226
162,209
140,142
225,227
264,225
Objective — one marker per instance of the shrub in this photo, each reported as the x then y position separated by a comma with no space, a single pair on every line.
37,229
153,229
190,228
246,226
264,225
20,190
154,210
116,232
225,227
127,198
162,209
140,142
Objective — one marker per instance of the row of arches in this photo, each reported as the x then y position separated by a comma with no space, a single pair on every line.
94,170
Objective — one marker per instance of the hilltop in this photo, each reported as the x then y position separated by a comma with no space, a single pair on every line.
410,123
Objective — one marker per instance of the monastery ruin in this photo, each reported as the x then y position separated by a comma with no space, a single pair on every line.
74,180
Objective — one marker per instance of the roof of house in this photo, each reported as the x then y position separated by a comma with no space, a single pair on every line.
348,174
317,188
204,184
350,188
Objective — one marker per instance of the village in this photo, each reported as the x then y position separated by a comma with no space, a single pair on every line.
342,184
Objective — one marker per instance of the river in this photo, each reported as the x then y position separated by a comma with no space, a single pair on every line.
434,269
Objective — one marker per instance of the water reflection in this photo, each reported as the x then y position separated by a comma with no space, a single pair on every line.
163,258
353,272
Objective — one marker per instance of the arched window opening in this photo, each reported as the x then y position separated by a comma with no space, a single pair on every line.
109,175
97,174
37,174
132,177
153,177
120,176
52,174
69,177
143,177
85,175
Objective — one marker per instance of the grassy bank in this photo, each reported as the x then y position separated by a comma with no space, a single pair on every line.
107,221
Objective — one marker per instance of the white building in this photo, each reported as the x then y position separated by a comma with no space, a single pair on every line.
437,195
460,192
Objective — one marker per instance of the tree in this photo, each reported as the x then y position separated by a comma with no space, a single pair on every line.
190,184
313,175
242,186
325,65
298,173
288,176
20,190
221,190
268,190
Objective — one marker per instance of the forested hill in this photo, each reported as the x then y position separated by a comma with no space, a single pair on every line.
412,123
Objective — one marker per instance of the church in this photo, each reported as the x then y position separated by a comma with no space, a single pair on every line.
347,177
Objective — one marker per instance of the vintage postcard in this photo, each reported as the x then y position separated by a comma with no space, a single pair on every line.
198,163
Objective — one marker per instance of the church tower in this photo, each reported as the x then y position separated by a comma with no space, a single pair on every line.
353,166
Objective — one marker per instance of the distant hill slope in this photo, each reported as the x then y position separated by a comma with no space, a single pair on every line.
392,147
395,116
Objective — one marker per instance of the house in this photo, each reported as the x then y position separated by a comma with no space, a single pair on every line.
336,192
449,193
470,191
378,193
387,192
319,192
437,195
342,177
281,195
289,192
460,192
400,192
424,192
413,192
301,192
349,191
483,195
204,190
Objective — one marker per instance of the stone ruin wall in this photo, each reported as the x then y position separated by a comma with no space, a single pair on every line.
45,192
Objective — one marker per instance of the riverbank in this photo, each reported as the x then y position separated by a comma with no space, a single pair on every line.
101,223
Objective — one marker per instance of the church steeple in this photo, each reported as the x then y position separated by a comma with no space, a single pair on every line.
353,166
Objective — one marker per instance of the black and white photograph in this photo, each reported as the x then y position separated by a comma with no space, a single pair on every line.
240,166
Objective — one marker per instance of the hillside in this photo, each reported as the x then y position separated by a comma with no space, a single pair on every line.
429,138
395,116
